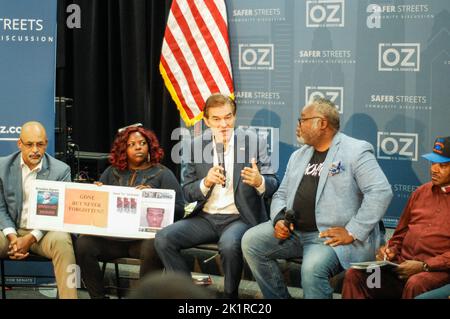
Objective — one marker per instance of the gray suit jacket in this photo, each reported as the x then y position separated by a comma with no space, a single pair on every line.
247,200
11,185
353,192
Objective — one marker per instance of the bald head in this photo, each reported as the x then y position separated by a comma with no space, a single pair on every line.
32,143
33,128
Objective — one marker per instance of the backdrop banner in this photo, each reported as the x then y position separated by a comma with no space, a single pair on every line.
27,68
27,88
384,63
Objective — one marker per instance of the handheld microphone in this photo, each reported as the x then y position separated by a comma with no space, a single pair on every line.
289,218
221,159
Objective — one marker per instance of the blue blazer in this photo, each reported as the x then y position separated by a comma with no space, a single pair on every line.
353,192
11,185
249,203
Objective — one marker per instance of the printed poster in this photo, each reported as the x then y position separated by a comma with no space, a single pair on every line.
113,211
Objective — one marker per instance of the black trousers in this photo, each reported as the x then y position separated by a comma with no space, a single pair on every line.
224,229
92,249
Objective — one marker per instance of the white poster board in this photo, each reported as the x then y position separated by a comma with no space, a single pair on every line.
100,210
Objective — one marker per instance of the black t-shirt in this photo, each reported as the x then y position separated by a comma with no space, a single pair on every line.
305,197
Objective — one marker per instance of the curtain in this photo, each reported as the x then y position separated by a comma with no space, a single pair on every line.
110,68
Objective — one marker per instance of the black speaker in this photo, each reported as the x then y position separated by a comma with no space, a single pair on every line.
63,129
90,166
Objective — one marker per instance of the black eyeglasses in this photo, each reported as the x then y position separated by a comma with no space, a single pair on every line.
301,120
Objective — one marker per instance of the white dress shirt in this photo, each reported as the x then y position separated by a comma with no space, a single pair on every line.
221,200
27,177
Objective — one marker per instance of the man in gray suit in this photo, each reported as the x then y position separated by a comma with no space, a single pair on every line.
228,176
16,173
337,194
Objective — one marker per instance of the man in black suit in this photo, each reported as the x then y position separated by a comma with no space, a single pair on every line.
229,187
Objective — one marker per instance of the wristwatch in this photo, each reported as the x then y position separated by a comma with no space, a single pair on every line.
425,267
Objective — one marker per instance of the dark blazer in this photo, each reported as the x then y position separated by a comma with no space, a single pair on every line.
11,191
247,200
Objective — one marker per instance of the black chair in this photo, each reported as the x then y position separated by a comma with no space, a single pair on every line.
30,258
118,277
287,266
211,251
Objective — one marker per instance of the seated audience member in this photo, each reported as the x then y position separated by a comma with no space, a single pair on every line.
327,209
135,161
420,243
230,197
169,286
438,293
17,171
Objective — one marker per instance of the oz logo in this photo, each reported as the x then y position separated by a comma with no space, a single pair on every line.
324,13
333,93
399,57
397,146
256,57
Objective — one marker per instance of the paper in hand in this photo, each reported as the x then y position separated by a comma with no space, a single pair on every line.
371,264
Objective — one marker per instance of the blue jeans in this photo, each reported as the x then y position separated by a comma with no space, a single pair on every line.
261,251
226,230
439,293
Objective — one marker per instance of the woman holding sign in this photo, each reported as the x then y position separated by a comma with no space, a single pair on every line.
135,162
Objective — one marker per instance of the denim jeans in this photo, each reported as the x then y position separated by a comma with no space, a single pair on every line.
439,293
226,230
261,251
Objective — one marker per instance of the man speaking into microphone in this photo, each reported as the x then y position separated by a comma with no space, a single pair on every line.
220,150
229,183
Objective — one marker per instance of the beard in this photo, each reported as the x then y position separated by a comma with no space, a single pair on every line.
310,137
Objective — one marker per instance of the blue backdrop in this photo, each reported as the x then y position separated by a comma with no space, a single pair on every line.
27,68
386,64
27,86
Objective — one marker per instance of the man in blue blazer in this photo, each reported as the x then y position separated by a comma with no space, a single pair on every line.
16,173
228,176
337,194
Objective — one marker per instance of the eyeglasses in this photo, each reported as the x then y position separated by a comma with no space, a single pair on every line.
30,145
301,120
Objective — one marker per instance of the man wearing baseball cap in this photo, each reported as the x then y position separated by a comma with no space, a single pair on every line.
440,155
421,241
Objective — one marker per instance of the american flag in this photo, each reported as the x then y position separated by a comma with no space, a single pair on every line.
195,55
